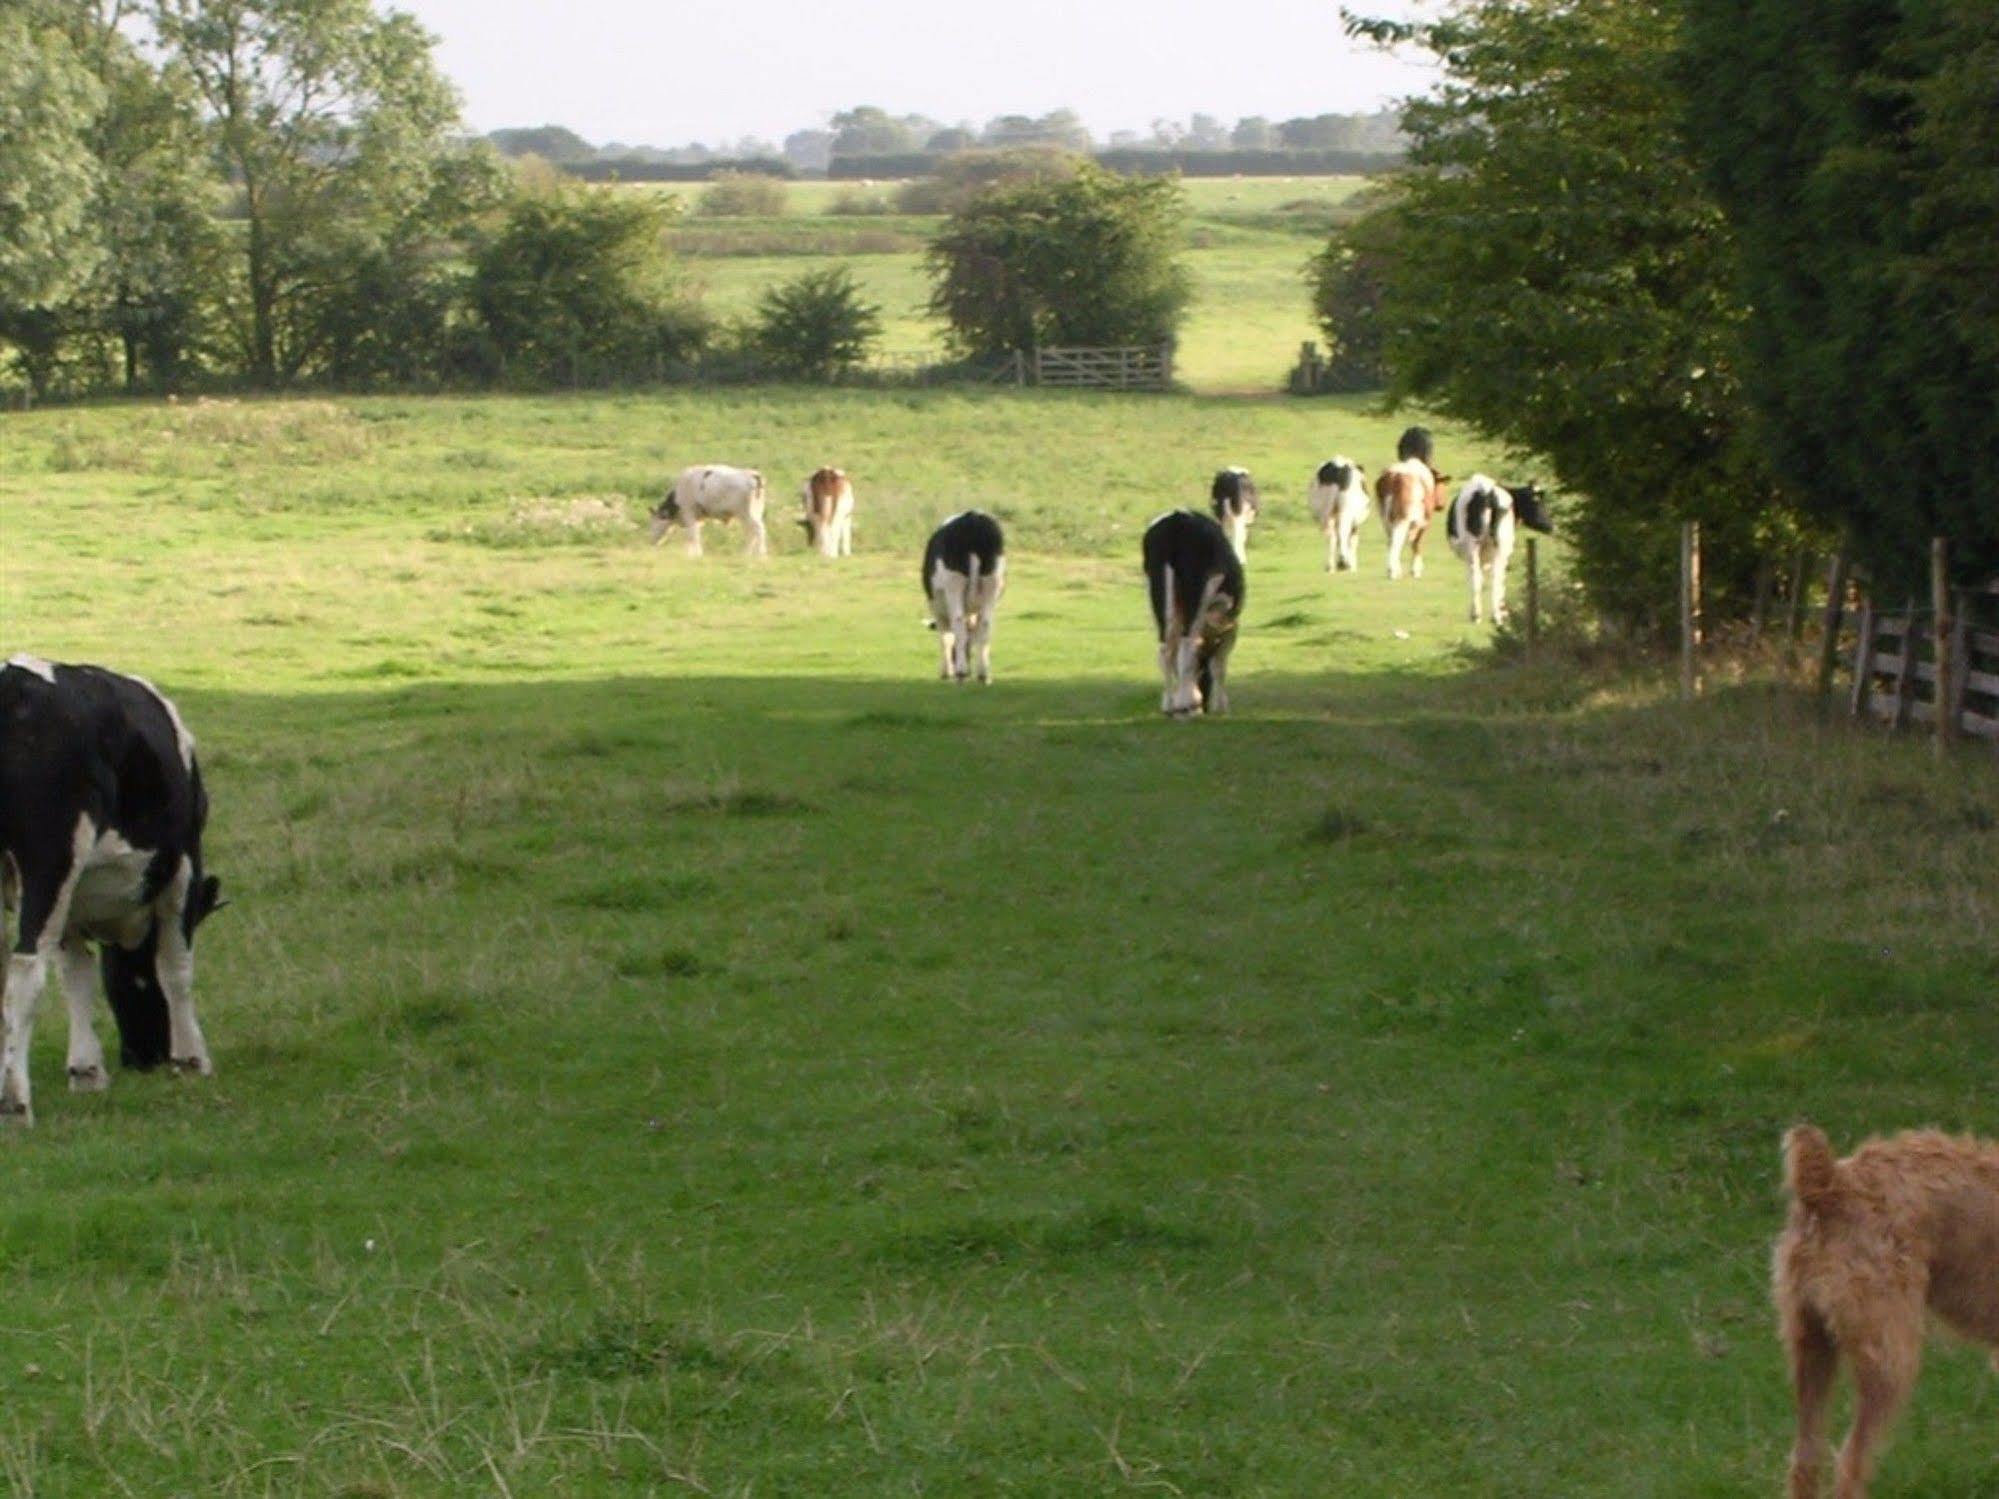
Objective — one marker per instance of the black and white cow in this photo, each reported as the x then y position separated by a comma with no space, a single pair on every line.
1195,579
1415,442
1234,498
1481,525
714,491
964,573
101,816
1340,504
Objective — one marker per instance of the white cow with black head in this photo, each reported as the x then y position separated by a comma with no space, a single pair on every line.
1340,504
1481,526
964,574
1195,582
1235,502
101,816
714,491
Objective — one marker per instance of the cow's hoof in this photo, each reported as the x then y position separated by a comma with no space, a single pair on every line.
88,1080
14,1112
193,1066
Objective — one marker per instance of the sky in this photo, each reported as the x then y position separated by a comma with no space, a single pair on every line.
665,72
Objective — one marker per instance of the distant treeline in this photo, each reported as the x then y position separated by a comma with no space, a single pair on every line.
1147,161
629,169
1142,161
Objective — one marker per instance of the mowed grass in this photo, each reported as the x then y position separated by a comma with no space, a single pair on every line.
668,1042
1249,243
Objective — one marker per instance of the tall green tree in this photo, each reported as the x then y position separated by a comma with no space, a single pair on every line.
334,125
1855,148
49,249
1085,257
1557,274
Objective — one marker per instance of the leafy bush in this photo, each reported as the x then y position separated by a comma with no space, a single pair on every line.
743,195
577,288
854,202
960,178
1090,258
817,326
1347,285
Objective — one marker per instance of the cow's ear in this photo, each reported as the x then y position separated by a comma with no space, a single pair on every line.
208,900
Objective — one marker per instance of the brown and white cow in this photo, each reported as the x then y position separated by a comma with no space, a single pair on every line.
1406,496
829,512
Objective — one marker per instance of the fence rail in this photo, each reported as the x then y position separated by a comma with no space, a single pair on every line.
1148,367
1906,671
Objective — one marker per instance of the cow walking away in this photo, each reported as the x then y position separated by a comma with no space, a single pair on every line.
1340,504
714,491
964,573
1235,502
101,816
1409,492
1481,526
829,513
1195,581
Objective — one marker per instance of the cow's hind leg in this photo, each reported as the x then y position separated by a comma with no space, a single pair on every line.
87,1072
982,633
190,1050
43,913
1814,1361
1217,696
1398,533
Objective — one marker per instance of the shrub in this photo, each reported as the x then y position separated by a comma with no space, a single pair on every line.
743,195
853,202
1090,258
958,179
577,288
816,326
1346,282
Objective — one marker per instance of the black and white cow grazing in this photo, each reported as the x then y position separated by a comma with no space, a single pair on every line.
1195,579
964,573
1415,443
1340,504
1234,498
1481,525
101,815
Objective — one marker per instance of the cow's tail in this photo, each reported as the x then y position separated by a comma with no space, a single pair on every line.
974,566
1809,1169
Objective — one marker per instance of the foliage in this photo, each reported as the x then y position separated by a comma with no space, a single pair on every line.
549,142
1557,274
336,128
817,326
1855,148
959,178
746,195
1347,283
48,176
1089,258
577,288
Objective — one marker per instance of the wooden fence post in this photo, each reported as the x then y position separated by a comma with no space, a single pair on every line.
1533,600
1941,628
1863,663
1690,609
1905,680
1835,609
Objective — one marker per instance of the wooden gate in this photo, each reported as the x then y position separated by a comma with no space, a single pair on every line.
1142,368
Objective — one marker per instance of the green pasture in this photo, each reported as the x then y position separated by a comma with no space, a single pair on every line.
668,1042
1249,240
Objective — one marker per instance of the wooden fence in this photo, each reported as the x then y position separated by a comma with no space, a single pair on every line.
1144,368
1896,659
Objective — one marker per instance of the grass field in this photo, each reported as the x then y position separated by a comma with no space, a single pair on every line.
1249,241
669,1043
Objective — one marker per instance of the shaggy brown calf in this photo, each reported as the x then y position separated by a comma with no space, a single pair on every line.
1902,1225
